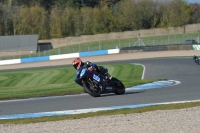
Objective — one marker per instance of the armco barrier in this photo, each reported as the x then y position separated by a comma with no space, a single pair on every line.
35,59
133,49
56,57
93,53
8,62
100,52
64,56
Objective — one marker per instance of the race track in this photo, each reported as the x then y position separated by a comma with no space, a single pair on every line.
180,69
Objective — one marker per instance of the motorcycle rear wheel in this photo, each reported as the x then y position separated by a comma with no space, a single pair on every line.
120,88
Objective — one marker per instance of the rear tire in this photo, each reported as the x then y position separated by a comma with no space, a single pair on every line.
91,92
120,88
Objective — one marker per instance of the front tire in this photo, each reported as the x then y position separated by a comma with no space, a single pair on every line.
91,92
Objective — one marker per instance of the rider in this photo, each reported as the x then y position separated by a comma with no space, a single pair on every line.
77,63
195,57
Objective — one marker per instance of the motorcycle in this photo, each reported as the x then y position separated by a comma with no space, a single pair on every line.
196,60
93,83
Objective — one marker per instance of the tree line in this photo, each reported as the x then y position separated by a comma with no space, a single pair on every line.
62,18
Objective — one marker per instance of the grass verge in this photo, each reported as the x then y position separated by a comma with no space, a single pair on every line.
59,81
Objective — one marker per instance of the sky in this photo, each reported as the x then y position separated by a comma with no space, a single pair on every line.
194,1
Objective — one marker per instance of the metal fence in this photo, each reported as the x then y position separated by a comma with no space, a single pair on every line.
106,44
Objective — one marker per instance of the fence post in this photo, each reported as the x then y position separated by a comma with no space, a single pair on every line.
168,38
181,37
119,40
49,50
39,50
58,50
19,52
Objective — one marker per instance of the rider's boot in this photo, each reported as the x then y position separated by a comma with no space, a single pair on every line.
108,76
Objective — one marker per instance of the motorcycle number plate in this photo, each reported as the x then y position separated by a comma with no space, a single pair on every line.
96,77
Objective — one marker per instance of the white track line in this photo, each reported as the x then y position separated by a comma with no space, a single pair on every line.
144,69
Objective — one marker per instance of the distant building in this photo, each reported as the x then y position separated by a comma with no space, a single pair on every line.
18,44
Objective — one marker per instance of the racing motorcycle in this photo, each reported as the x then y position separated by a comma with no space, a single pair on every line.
196,60
93,83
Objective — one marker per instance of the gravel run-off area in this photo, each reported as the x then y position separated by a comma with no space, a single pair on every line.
162,121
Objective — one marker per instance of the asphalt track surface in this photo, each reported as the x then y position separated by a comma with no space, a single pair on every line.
180,69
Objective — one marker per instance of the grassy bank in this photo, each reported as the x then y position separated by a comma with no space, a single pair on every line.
58,81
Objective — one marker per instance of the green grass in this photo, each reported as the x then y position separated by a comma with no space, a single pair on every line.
112,44
102,113
119,43
59,81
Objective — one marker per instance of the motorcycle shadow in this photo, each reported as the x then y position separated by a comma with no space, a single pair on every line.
126,93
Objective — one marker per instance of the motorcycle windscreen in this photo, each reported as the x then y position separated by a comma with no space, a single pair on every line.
82,72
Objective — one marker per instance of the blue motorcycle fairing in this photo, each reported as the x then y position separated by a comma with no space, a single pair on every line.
83,72
97,78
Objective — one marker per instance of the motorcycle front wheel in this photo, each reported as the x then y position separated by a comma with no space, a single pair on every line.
91,91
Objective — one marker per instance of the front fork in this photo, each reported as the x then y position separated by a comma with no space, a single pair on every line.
93,85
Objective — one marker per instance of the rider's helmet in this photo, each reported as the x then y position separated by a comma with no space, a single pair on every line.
77,63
